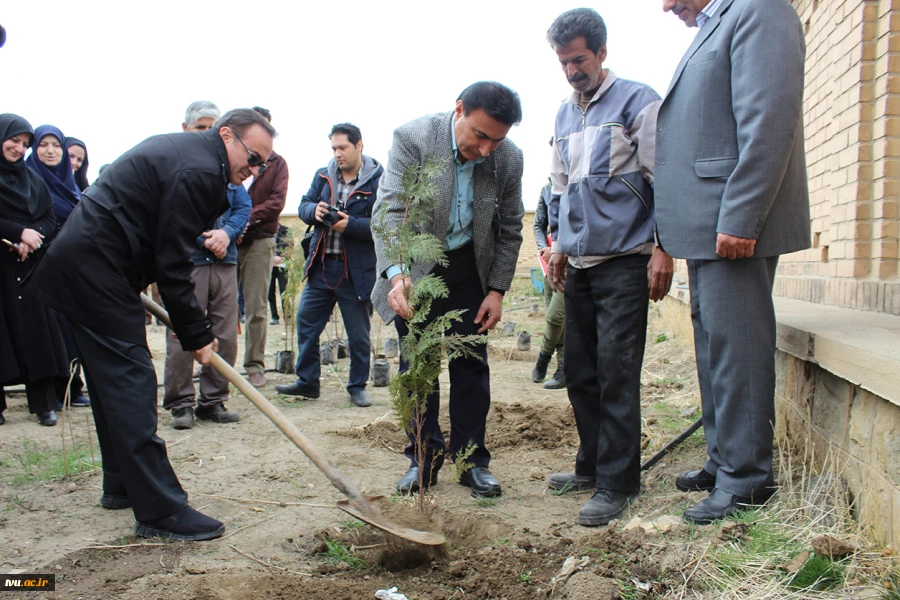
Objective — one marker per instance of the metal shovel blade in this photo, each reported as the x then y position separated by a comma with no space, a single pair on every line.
374,517
360,506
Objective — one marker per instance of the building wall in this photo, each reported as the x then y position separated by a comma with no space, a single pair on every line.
852,121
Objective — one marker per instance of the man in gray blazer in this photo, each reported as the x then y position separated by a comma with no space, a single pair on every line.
478,218
731,196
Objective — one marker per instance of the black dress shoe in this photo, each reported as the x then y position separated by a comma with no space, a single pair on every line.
2,419
79,400
695,481
481,481
297,389
187,524
720,504
409,483
47,419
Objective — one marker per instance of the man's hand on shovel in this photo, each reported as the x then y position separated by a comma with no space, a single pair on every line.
204,355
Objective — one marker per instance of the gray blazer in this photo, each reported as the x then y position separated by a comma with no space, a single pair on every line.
498,210
730,155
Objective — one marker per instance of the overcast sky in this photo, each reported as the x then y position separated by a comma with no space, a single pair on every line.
114,73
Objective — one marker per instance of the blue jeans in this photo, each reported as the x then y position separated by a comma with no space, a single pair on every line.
316,304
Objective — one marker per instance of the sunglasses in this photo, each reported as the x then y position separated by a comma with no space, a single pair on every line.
254,160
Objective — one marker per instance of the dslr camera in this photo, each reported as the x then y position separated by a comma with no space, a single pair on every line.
331,216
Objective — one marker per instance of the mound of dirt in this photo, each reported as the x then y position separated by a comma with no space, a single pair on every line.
542,425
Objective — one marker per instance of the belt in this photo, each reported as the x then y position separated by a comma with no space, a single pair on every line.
339,257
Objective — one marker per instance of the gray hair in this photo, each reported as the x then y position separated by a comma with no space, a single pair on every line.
576,23
201,109
239,120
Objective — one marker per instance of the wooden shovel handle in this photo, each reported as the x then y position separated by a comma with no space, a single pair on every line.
334,475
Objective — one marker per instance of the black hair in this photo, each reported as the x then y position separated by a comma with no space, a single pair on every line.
576,23
240,120
349,129
264,112
498,101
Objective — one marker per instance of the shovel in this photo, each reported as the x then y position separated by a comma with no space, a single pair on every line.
364,508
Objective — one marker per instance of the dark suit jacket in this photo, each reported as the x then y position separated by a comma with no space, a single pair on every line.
497,221
730,156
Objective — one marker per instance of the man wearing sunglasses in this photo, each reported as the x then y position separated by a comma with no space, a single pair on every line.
256,253
139,223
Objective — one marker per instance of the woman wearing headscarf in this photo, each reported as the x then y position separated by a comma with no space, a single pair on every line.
50,159
79,157
31,344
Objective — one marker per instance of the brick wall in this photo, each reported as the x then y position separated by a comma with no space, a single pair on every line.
852,121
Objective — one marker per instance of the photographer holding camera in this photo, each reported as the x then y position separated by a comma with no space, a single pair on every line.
340,267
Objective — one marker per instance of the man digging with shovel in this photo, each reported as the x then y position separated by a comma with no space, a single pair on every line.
138,224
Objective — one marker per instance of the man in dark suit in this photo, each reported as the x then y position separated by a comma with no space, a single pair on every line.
731,196
137,224
478,217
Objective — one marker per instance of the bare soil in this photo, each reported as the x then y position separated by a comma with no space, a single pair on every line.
279,509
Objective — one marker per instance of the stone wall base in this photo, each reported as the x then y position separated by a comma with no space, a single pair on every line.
840,427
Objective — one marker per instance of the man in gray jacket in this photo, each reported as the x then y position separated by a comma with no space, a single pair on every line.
732,196
602,223
478,218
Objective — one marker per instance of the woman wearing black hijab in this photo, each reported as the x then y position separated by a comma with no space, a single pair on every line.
79,158
50,159
31,344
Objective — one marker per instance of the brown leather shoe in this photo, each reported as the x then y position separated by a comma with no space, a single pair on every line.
257,380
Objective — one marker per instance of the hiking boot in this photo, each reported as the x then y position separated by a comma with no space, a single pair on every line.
183,418
539,372
217,413
187,524
605,506
559,378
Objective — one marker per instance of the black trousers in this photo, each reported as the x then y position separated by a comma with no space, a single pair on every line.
470,377
606,329
41,395
123,388
279,275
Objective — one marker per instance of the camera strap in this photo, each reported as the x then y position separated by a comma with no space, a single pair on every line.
343,275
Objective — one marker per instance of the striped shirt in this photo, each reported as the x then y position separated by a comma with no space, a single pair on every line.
707,13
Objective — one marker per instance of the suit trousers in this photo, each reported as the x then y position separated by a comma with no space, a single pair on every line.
329,284
734,340
215,287
470,377
122,381
606,329
255,261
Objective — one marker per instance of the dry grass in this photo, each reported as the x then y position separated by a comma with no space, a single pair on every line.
807,505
